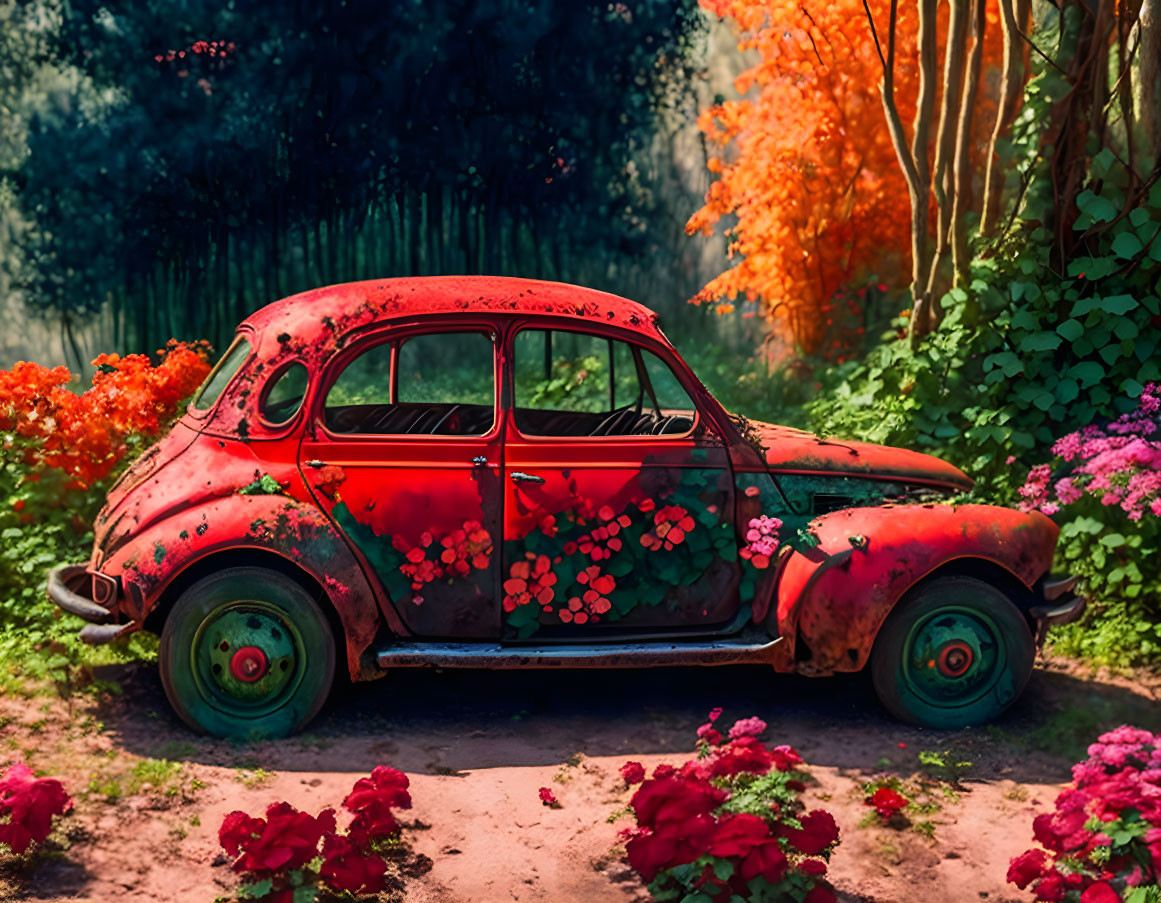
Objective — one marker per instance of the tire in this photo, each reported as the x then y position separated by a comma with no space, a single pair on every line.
246,653
954,652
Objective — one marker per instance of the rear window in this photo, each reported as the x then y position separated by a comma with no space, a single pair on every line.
221,375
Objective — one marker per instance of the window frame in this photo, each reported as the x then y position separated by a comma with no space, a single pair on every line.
700,419
395,335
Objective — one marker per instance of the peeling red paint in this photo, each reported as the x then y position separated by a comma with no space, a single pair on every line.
837,596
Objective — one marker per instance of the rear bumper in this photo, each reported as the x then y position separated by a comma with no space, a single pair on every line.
66,585
1060,606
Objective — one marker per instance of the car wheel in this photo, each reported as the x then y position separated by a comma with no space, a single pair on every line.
954,652
246,653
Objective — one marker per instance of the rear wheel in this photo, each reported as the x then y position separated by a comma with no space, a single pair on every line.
246,653
955,652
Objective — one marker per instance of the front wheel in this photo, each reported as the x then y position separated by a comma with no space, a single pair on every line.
246,653
955,652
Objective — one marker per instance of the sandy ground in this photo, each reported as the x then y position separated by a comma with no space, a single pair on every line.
478,745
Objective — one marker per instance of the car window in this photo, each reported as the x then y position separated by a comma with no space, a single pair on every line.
284,394
443,385
578,384
221,375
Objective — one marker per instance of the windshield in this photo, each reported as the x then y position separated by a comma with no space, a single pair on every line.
221,375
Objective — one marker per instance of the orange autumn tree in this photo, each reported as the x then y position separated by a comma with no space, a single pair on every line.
813,176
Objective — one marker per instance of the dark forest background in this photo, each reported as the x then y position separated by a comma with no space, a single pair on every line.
168,166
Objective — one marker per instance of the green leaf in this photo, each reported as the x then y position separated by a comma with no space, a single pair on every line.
1025,319
1100,209
1041,341
1088,372
1126,329
1067,391
1112,540
255,891
1071,330
1132,388
1118,304
1126,245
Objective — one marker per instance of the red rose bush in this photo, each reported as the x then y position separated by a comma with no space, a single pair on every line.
1102,842
28,805
280,855
729,824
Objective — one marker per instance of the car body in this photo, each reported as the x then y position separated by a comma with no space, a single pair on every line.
479,472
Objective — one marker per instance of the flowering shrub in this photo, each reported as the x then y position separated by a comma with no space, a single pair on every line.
1102,843
1106,486
548,798
28,805
280,855
85,436
728,823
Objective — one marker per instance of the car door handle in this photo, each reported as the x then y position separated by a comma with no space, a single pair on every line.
479,460
526,477
316,464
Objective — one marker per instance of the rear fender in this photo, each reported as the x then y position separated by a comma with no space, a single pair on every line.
153,559
833,599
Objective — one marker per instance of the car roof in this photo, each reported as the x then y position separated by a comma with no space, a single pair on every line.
323,314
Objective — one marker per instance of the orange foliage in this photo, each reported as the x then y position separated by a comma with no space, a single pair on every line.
813,178
84,435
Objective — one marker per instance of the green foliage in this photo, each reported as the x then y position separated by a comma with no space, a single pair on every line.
1026,353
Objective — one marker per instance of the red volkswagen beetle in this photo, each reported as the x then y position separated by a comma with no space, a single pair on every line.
489,472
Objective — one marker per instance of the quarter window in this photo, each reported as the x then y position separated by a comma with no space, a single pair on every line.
284,395
435,384
578,384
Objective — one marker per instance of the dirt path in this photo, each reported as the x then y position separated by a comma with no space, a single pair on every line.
477,745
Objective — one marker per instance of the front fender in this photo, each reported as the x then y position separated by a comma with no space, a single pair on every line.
151,560
837,595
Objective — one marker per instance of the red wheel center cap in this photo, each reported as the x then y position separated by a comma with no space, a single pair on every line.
248,664
955,659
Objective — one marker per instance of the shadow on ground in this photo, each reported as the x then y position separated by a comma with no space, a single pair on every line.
457,721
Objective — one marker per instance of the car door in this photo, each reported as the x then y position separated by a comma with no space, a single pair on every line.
404,454
618,500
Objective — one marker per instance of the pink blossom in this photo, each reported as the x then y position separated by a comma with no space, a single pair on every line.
747,727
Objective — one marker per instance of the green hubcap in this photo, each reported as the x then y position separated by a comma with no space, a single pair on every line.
248,658
953,656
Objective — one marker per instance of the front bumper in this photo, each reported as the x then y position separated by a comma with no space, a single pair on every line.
1061,605
65,582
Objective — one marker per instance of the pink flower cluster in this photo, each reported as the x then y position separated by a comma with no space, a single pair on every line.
1119,465
761,540
1104,836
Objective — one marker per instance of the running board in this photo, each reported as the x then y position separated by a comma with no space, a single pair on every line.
589,655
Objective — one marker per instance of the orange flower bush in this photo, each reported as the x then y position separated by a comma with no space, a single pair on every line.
85,435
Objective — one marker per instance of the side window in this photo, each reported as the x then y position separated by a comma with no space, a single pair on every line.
443,385
578,384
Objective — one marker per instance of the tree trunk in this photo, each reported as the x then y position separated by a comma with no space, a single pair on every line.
1013,20
944,181
1149,78
960,256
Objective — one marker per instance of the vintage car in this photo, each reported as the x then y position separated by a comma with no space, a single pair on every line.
488,472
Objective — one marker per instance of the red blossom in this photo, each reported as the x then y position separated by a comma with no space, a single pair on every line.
738,834
30,803
819,831
633,772
346,867
373,798
886,801
285,839
767,860
1027,867
548,797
